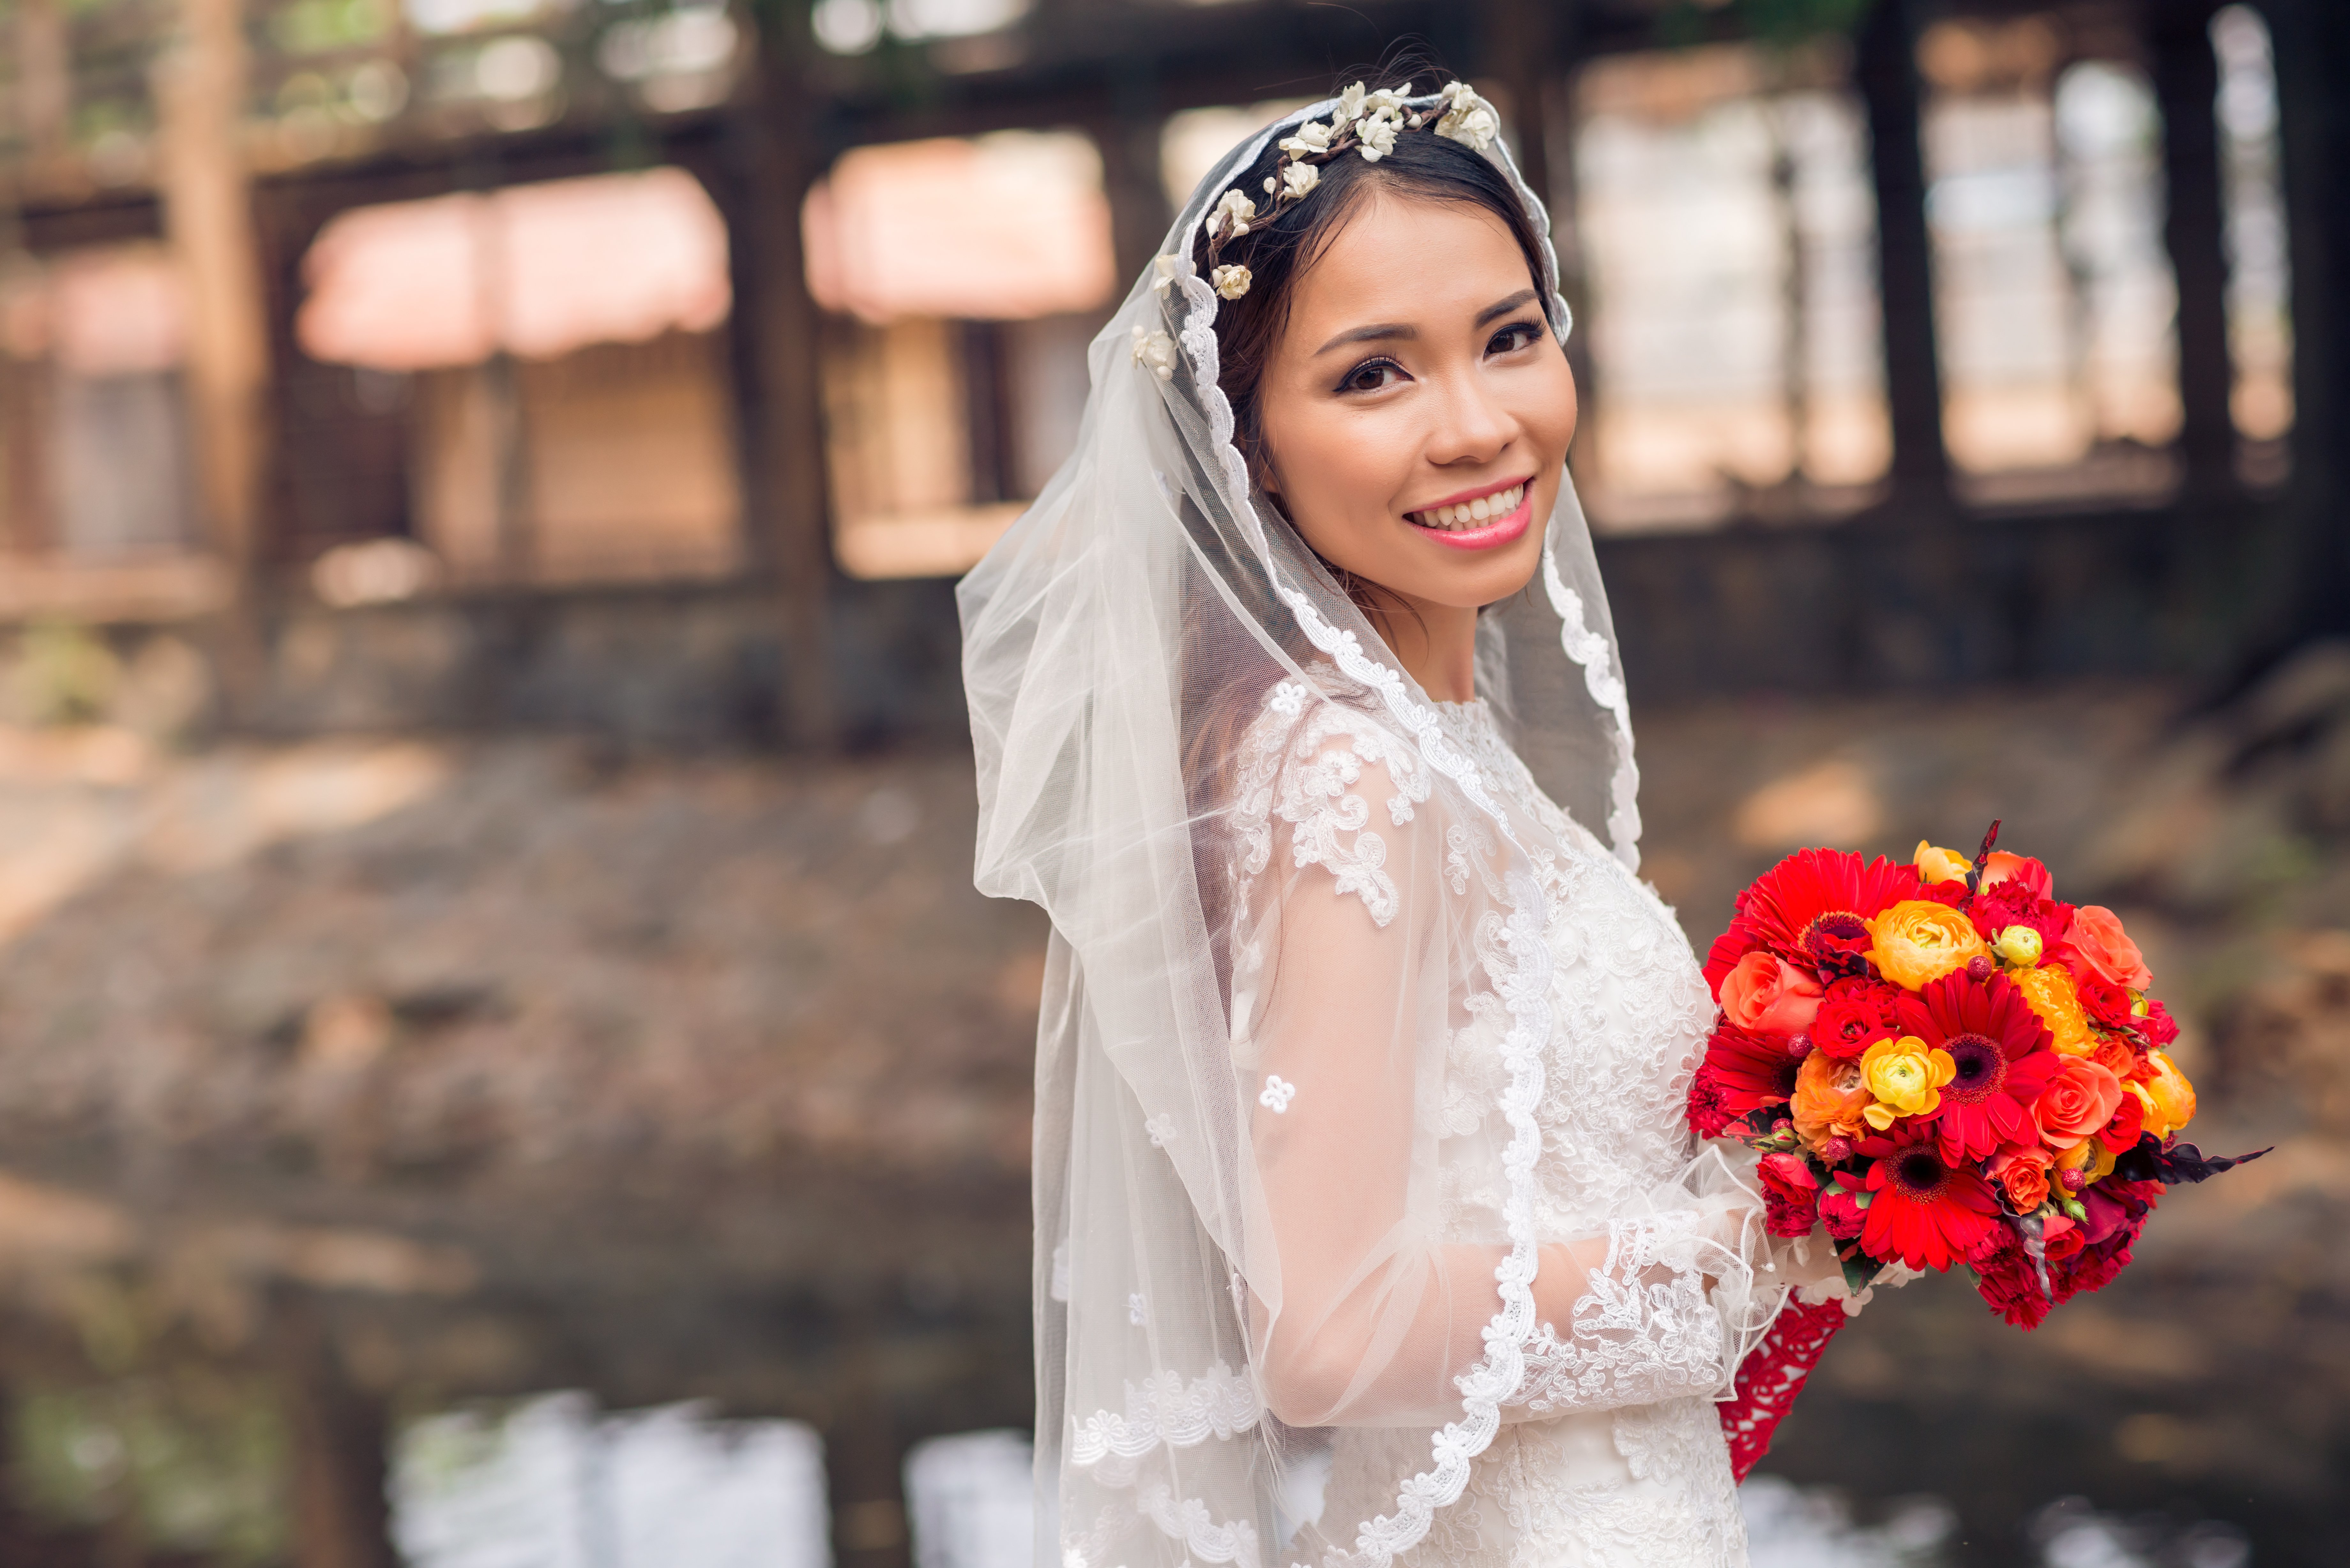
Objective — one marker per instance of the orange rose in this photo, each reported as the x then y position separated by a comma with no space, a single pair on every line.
2080,1099
2100,947
2170,1097
2052,995
1764,994
2118,1054
2021,1172
1919,941
1830,1094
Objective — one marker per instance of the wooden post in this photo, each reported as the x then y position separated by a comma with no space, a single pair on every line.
2186,84
1139,213
208,221
778,157
2313,54
1518,41
1885,61
342,1516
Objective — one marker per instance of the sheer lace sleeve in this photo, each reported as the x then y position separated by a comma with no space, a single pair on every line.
1364,953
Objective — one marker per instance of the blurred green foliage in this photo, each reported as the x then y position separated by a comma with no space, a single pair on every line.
63,674
190,1462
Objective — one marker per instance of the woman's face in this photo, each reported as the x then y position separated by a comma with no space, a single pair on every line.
1417,410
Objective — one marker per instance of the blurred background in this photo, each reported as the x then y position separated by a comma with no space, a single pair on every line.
501,1064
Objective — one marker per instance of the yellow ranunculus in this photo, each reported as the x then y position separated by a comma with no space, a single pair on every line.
1906,1076
2019,946
2050,991
1941,865
2091,1158
1918,942
2169,1099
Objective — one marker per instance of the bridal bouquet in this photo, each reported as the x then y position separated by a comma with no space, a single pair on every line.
1942,1064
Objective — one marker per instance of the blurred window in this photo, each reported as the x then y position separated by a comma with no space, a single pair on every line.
94,460
971,1500
1725,221
2259,278
548,359
965,278
2054,301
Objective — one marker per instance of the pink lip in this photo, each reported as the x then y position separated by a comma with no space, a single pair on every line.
1500,530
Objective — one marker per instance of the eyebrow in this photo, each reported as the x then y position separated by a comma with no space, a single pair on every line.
1379,330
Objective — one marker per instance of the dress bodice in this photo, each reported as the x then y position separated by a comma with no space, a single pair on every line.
1616,1459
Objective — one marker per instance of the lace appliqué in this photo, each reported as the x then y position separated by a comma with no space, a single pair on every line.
1278,1093
1300,767
1643,1331
1165,1410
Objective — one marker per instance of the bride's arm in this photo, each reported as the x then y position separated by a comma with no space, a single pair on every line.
1363,1315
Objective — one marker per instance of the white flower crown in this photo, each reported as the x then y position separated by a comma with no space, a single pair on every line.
1365,122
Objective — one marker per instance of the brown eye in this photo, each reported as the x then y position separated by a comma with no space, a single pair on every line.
1371,375
1517,335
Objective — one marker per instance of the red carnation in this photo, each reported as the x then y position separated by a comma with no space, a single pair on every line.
2000,1049
1841,1212
1751,1071
1927,1211
1857,1014
2013,904
2007,1281
2060,1238
2159,1027
1780,909
1790,1194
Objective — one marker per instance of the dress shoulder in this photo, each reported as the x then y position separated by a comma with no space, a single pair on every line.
1314,763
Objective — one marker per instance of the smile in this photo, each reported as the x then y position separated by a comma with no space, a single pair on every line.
1480,522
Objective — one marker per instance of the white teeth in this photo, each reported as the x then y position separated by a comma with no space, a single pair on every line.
1482,509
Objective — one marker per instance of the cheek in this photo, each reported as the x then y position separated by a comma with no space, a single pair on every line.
1336,467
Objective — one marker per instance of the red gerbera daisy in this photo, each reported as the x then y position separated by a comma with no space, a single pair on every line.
1788,901
1927,1211
1747,1072
2003,1055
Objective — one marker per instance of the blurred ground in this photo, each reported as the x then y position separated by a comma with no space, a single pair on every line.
549,1066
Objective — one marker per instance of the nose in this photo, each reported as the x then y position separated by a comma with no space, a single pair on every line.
1470,427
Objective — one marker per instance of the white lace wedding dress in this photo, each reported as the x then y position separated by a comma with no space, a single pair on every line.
1613,1457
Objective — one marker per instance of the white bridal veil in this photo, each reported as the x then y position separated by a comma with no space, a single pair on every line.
1266,1207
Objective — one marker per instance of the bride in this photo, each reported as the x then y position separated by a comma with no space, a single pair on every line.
1370,1227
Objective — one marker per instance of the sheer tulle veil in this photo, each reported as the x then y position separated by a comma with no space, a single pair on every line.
1104,636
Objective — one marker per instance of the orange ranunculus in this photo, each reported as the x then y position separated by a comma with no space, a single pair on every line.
2096,945
2170,1097
2118,1054
2080,1099
1918,942
2021,1172
1941,865
2052,995
1831,1092
1765,994
2002,866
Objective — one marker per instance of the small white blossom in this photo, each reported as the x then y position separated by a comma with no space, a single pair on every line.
1312,136
1155,351
1278,1094
1350,106
1378,133
1231,280
1270,185
1468,118
1236,210
1165,266
1298,179
1390,99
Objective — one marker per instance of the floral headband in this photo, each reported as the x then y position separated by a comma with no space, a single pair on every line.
1365,122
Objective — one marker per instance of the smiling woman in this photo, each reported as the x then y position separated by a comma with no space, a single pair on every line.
1369,1230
